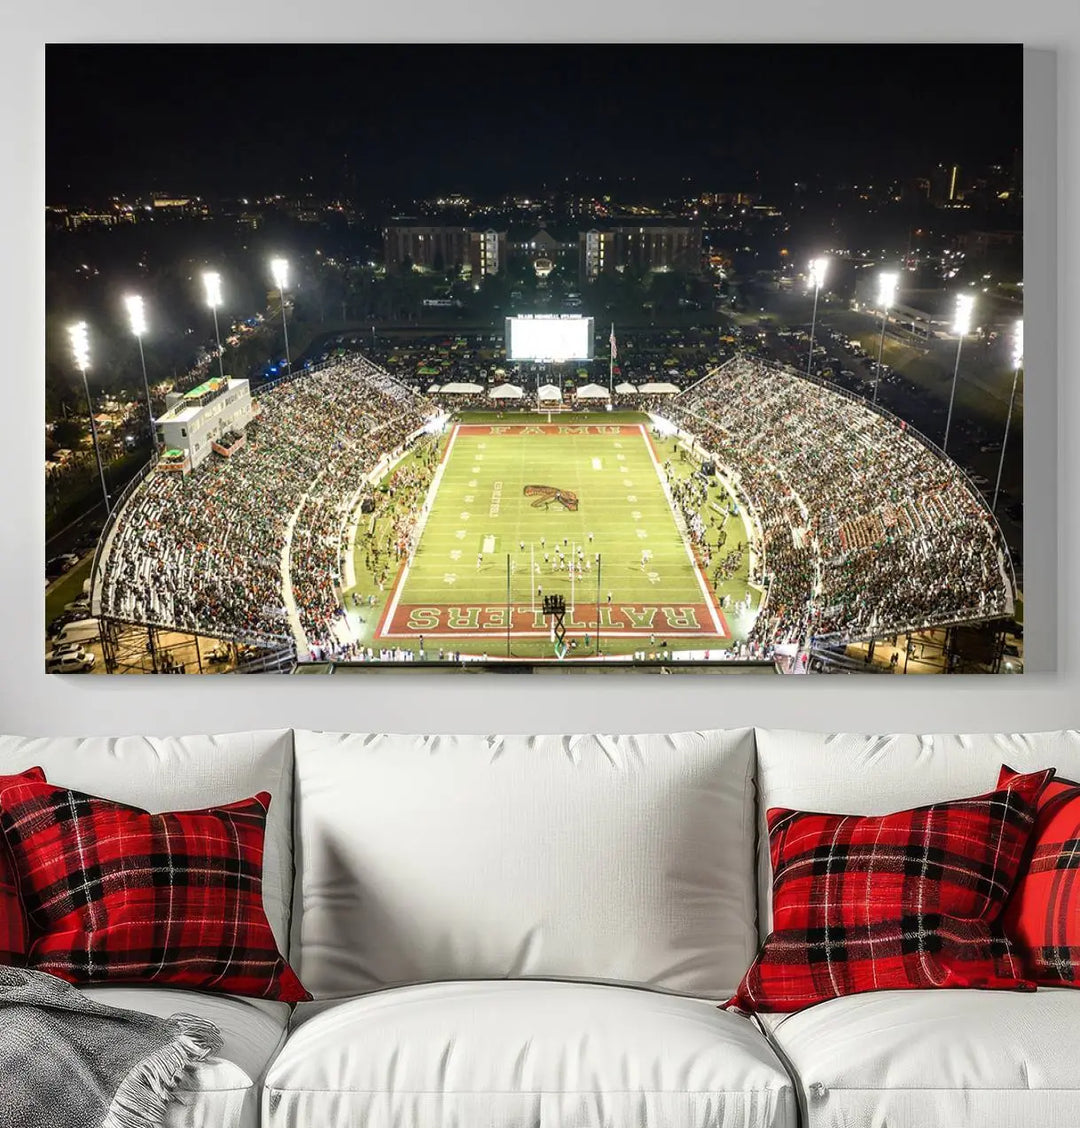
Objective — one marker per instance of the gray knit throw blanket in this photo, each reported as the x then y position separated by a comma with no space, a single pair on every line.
69,1062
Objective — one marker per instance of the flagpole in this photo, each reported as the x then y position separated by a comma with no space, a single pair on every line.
611,366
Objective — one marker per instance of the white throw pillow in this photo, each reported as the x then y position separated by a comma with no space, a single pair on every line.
609,858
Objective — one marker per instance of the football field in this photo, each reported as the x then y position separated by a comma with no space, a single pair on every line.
519,511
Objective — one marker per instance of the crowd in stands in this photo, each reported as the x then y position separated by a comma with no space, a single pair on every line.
865,529
860,528
205,552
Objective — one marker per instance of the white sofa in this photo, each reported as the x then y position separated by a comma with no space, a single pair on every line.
534,932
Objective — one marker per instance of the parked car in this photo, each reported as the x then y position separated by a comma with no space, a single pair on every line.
64,661
79,630
58,565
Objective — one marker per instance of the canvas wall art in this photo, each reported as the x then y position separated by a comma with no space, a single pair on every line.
690,358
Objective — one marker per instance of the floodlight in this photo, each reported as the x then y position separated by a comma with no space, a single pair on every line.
212,283
818,269
1018,363
80,345
816,277
279,267
887,281
965,305
136,313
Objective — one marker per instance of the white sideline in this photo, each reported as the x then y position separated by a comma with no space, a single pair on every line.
425,511
705,594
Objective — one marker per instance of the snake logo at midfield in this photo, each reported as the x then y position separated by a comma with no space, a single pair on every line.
545,495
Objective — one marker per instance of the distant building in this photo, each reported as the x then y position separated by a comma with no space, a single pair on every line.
85,218
444,247
981,244
645,245
487,251
212,415
945,185
179,205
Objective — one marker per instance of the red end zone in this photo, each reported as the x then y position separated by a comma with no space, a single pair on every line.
625,620
547,429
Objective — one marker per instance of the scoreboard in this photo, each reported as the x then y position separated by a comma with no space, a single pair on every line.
549,336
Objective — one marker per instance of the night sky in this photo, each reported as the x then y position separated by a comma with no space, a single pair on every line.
416,120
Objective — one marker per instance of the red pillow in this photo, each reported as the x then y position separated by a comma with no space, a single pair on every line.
891,902
1042,918
117,895
12,920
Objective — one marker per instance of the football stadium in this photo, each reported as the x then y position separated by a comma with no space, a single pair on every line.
339,516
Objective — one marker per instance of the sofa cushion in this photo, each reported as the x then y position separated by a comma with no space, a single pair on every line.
905,900
511,1053
859,774
935,1059
115,894
1043,915
181,773
224,1090
610,858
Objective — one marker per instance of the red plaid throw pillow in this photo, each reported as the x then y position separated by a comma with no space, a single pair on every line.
12,920
1042,918
889,902
117,895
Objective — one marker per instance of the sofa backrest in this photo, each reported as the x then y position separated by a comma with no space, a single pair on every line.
859,774
181,773
608,858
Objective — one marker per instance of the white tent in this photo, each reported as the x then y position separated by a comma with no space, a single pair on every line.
662,388
625,389
507,391
461,388
593,391
548,392
433,389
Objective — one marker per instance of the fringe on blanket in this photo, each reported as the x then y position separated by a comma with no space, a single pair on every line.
143,1097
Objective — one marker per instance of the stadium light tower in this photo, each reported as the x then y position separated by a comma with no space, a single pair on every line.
137,316
818,269
1017,364
965,306
887,281
280,269
80,348
212,283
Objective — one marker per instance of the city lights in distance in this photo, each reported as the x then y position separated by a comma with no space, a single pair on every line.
279,267
965,305
212,285
1018,345
887,283
136,314
80,345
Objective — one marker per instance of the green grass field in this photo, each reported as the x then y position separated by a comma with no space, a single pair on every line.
454,592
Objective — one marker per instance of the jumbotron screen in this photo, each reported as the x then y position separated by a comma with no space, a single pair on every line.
549,337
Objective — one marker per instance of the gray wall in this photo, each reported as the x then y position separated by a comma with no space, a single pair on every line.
32,703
